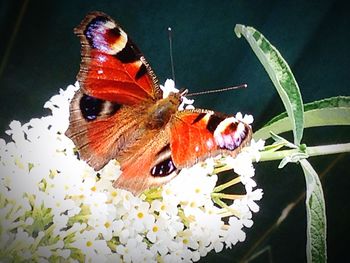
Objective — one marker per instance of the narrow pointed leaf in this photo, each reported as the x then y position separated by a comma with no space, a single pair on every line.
330,111
316,249
281,76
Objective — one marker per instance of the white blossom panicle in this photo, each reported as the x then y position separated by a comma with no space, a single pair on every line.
54,207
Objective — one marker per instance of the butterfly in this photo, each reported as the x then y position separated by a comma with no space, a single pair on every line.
119,113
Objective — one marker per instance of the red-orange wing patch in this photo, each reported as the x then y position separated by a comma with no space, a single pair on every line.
112,67
199,134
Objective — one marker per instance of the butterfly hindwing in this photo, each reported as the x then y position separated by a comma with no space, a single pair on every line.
102,130
150,164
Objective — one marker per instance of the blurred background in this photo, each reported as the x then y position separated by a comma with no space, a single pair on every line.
39,54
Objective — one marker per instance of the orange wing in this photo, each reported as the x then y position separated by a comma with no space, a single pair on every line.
112,67
199,134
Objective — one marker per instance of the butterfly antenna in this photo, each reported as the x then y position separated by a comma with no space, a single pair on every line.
170,37
217,90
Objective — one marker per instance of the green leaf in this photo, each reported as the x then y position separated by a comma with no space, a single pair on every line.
281,76
279,139
316,247
330,111
273,147
292,158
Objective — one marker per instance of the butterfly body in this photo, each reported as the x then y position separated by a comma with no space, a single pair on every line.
120,113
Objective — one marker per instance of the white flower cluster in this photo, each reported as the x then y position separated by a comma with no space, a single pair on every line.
54,207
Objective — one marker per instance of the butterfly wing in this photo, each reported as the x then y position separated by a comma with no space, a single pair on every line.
117,85
140,170
199,134
112,66
102,130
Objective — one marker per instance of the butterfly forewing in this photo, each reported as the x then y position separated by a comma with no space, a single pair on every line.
112,67
199,134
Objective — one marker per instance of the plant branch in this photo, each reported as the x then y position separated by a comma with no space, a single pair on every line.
311,151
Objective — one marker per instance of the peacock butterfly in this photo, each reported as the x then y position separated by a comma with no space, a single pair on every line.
119,113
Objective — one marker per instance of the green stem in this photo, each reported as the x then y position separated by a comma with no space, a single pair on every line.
221,187
226,196
311,151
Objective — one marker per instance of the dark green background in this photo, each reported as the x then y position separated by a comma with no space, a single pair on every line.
39,54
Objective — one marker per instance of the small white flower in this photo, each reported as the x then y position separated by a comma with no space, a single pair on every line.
89,244
169,86
234,233
141,217
134,251
164,209
157,231
248,119
254,149
250,198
